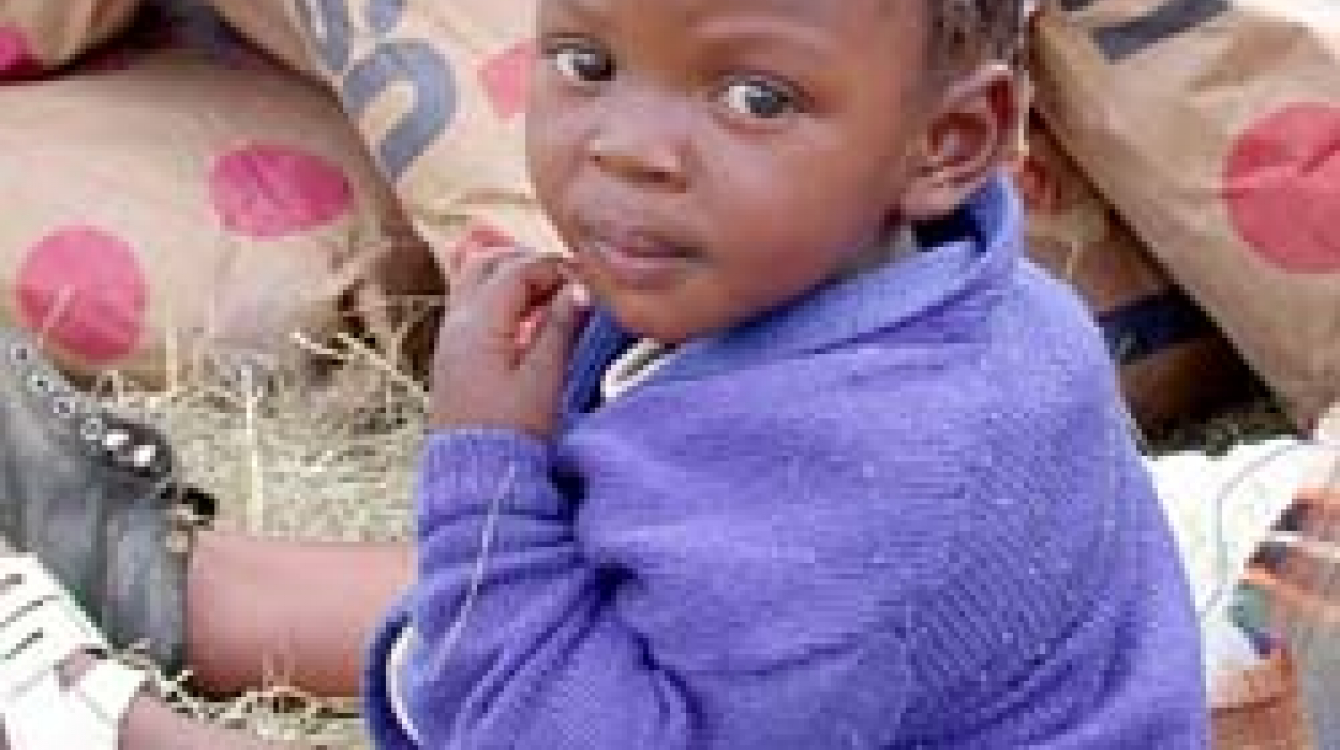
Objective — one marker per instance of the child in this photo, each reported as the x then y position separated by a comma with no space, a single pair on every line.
832,467
828,466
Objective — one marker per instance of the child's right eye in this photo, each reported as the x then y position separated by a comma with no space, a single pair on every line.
760,99
583,63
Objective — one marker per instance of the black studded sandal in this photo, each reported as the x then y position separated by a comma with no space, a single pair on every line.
94,497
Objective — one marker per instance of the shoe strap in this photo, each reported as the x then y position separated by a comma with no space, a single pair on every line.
43,716
40,625
87,716
108,689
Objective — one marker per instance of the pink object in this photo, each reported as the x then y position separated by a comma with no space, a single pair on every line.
17,61
268,191
1282,186
482,236
84,290
506,77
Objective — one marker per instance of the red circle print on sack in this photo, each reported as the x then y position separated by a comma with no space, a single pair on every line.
84,290
16,57
268,191
506,78
1282,186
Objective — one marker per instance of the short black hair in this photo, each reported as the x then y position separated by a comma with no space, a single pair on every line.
973,31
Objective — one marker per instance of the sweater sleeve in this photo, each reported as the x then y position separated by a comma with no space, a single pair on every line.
529,638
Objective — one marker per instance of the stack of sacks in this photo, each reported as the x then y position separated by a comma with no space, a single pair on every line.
1175,364
1213,127
174,209
435,91
37,36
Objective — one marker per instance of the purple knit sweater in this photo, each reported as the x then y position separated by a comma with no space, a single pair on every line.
902,512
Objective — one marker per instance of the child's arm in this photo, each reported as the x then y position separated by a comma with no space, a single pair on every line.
525,643
513,636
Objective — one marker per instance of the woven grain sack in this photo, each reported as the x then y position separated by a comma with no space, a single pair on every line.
176,210
39,35
1213,126
437,89
1175,365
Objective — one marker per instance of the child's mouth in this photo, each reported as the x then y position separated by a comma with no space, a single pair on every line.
636,259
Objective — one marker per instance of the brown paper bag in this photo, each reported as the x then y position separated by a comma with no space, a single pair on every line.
436,88
178,209
1175,364
39,35
1213,126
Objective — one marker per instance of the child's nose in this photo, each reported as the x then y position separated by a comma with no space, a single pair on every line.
648,154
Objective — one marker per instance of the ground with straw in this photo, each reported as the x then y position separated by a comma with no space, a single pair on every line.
311,456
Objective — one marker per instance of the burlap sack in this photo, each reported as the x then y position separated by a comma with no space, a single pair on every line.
38,35
437,90
1214,128
1175,364
177,209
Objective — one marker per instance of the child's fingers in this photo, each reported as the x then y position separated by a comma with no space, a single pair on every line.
546,360
518,287
475,269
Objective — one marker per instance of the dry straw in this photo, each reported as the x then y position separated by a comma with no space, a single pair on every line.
323,449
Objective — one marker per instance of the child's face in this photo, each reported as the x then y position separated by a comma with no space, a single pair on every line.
708,160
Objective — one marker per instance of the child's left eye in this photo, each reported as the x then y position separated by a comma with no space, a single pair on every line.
761,99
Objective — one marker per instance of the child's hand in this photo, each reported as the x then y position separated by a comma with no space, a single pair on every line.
503,349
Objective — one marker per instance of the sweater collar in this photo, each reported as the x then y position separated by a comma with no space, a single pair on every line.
966,255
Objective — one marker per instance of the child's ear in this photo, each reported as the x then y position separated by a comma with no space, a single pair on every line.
971,132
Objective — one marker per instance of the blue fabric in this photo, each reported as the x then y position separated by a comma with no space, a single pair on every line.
902,512
1146,326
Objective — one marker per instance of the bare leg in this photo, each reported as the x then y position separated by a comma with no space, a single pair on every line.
258,609
296,611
